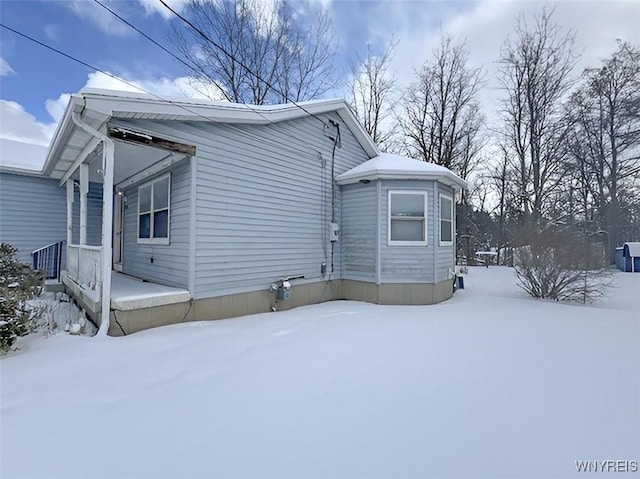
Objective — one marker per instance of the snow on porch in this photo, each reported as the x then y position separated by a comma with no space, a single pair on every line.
128,293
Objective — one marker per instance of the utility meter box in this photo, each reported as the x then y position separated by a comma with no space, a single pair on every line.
334,232
283,294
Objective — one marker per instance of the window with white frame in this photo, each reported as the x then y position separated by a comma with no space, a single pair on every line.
153,211
446,220
407,217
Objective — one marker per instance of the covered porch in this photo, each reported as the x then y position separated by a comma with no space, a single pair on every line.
97,161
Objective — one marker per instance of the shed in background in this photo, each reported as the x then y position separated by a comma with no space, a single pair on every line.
628,257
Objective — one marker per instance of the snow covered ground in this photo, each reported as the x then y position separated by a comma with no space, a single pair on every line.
489,384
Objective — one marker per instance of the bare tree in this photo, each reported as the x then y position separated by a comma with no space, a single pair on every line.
263,53
441,118
372,93
561,264
499,180
604,143
534,73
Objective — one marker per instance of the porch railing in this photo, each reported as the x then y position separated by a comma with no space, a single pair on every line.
49,259
84,266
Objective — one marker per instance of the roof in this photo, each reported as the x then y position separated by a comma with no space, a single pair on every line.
96,107
21,158
396,167
633,248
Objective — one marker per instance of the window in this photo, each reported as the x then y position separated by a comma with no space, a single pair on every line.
446,220
153,211
407,224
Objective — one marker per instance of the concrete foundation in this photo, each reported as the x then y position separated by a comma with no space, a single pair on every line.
398,293
233,305
85,301
127,322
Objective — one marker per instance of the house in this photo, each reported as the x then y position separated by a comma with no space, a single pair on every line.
211,210
19,177
628,257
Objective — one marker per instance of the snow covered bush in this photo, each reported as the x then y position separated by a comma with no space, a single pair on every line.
18,284
561,264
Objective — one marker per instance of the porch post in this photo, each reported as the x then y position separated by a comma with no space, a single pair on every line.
69,211
84,189
107,233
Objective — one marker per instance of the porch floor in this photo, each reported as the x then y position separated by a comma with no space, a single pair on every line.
128,293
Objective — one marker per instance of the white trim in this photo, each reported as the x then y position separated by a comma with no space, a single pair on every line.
151,240
191,281
84,190
118,222
434,213
166,162
424,194
101,105
70,198
378,233
93,143
108,153
395,167
86,246
440,220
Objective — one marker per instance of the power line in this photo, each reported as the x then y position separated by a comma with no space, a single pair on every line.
173,55
88,65
162,99
159,45
138,30
235,60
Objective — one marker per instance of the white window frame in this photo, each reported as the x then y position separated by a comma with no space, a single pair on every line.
440,220
391,242
152,240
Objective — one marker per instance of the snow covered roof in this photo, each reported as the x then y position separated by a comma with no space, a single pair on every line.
396,167
634,248
97,107
22,158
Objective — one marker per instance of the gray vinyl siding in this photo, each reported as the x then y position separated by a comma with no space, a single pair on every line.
359,238
94,215
33,212
263,200
170,264
407,264
445,257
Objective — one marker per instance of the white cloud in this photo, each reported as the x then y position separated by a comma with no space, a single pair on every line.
487,25
179,87
52,32
5,68
21,126
154,6
99,16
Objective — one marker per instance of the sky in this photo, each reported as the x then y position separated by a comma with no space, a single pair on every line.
35,83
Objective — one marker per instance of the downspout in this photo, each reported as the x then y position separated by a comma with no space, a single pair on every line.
337,142
107,219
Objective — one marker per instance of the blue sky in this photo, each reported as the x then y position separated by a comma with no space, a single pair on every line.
86,31
35,82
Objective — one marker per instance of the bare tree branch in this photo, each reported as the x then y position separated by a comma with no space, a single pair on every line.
277,53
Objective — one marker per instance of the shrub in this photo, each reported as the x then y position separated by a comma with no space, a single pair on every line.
561,264
18,284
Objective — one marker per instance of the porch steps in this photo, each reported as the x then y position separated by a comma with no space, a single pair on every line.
53,286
